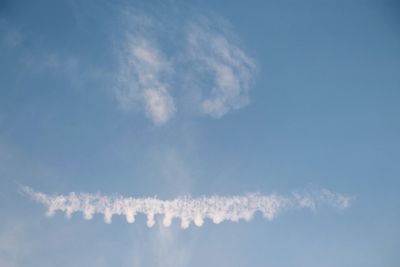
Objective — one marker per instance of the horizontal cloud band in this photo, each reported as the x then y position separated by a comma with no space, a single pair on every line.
187,209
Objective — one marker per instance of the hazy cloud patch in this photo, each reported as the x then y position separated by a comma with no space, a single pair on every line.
159,61
218,58
141,79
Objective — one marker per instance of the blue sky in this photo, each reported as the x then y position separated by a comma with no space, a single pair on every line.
177,98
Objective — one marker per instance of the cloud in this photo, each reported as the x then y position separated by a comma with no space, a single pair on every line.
157,57
187,209
143,76
163,247
217,56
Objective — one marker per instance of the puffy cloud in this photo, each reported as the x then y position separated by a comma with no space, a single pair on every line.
187,209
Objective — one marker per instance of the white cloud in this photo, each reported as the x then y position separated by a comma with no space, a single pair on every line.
142,79
230,70
159,104
204,56
187,209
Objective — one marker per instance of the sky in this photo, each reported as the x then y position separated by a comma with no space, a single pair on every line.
128,129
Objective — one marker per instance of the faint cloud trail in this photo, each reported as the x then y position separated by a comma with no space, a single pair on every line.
188,209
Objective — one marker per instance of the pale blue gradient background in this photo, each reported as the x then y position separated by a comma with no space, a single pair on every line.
324,112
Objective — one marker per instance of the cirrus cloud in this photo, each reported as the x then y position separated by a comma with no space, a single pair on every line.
153,71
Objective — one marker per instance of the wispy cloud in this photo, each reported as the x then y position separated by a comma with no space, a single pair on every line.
227,67
204,49
166,247
187,209
143,69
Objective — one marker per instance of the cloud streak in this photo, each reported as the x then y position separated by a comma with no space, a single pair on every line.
187,209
